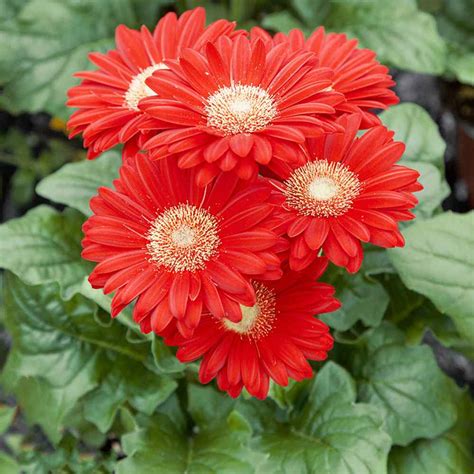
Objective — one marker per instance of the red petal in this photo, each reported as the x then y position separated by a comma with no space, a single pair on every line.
241,144
316,233
178,295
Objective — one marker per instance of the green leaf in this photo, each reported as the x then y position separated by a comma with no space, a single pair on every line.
160,446
207,406
46,41
416,129
61,354
449,453
455,24
8,465
424,152
68,457
435,189
427,318
104,301
406,383
10,8
128,381
165,360
437,262
282,21
383,335
415,315
6,417
376,261
287,397
400,34
22,186
402,301
44,246
56,401
363,298
333,434
76,183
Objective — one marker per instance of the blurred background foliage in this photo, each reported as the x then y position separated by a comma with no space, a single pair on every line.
429,46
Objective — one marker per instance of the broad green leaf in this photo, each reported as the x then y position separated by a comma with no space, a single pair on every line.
437,262
165,360
427,318
313,11
128,381
76,183
214,11
207,406
400,34
449,453
415,315
20,150
23,186
46,41
68,457
160,446
454,19
376,261
6,417
416,129
61,354
383,335
406,383
363,298
43,246
435,189
287,397
333,434
8,465
283,21
461,63
10,8
402,300
56,401
424,152
105,301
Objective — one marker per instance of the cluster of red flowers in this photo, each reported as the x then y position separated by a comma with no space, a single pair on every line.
244,172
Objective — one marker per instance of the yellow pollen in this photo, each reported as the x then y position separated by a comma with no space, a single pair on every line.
258,320
322,189
240,109
183,238
138,90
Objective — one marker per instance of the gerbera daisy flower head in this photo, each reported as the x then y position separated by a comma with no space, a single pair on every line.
274,340
358,75
178,249
107,98
237,105
349,191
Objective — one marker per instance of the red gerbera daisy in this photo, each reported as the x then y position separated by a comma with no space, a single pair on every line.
235,106
177,248
350,190
358,75
108,97
274,340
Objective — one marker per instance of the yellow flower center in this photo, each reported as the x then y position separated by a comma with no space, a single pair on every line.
138,90
258,320
183,238
240,109
322,189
